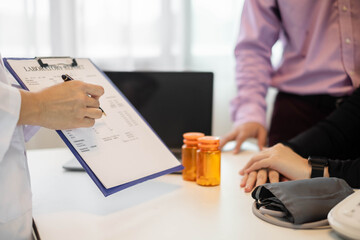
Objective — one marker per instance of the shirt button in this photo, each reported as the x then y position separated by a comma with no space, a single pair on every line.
348,40
344,8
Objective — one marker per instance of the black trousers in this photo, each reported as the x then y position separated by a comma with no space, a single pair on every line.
294,114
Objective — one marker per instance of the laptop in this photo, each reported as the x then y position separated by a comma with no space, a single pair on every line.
171,102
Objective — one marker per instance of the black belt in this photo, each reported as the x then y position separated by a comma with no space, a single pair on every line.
322,101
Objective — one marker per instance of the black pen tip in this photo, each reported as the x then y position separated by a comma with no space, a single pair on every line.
66,77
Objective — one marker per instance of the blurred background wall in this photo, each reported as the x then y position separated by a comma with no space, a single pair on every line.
126,35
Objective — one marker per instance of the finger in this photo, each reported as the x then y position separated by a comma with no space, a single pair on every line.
262,138
94,90
261,177
229,137
258,165
239,141
243,180
273,176
258,157
284,179
94,113
87,122
92,102
250,183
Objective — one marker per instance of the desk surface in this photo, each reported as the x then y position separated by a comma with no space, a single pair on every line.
68,205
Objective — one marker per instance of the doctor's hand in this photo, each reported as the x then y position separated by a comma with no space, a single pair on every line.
67,105
243,132
282,159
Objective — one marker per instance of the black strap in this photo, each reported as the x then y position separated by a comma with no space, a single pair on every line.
317,171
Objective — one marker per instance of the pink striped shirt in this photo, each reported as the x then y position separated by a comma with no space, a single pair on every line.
321,51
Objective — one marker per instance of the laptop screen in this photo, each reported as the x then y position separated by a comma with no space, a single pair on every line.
171,102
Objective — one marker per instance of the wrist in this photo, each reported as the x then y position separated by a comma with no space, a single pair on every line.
318,166
326,172
30,109
308,169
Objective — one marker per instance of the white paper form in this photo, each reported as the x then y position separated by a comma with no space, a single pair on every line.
120,147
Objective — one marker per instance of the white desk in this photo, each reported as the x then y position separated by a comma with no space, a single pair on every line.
68,205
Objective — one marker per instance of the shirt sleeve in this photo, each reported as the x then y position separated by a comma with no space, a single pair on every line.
349,170
335,137
10,102
259,30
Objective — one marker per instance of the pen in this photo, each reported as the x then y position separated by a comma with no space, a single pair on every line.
66,78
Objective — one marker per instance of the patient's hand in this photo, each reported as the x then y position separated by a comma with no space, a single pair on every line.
256,178
279,159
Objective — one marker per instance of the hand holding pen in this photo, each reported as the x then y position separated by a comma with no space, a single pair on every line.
66,78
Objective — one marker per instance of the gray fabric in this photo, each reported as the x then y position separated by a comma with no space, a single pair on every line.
302,200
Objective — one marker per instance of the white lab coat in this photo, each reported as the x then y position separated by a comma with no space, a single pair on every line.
15,192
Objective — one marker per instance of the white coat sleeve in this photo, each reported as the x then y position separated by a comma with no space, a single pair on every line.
10,103
29,131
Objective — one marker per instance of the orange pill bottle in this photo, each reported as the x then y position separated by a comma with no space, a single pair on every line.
188,155
208,161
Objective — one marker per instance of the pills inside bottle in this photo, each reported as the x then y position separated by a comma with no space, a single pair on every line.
188,155
208,161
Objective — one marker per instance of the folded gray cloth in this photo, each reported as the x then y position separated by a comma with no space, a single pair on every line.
302,201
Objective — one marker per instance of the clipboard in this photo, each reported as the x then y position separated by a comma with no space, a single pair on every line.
37,73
